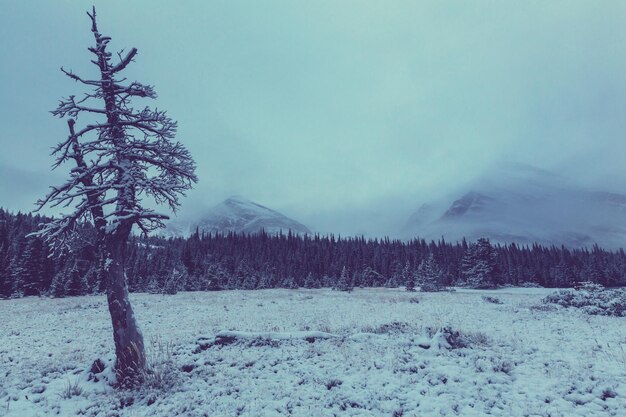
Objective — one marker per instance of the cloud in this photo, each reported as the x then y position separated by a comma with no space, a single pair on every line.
344,113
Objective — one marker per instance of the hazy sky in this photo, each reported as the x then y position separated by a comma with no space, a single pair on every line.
341,114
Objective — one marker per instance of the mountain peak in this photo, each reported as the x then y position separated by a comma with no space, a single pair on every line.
526,206
238,199
240,215
471,202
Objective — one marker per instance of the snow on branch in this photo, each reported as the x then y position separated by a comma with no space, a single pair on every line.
119,161
125,61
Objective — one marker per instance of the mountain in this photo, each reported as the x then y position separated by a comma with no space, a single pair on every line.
525,205
239,215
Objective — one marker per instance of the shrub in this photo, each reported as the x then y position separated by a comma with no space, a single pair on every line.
495,364
588,286
432,287
173,282
592,299
344,283
71,389
332,383
160,372
393,327
459,339
543,307
492,300
528,284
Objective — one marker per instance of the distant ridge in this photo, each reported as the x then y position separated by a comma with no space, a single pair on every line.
524,205
239,215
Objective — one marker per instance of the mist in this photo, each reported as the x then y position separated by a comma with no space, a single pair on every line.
346,116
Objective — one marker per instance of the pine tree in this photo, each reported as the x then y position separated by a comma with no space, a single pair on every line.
370,278
35,262
18,277
311,281
152,287
479,265
344,283
244,277
118,160
290,283
265,280
150,261
561,274
328,281
250,281
410,282
175,280
92,279
75,283
5,285
218,277
57,287
429,275
397,277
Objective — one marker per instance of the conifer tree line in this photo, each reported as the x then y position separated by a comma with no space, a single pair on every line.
217,261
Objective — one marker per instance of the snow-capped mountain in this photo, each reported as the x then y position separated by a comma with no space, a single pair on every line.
525,205
239,215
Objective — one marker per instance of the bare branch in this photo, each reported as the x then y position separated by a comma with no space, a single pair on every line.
125,61
79,79
119,161
69,107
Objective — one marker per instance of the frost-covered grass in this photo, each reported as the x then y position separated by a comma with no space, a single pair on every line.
372,352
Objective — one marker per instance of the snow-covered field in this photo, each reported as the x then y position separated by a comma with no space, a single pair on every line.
373,352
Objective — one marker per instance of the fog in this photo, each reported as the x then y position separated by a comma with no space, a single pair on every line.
346,116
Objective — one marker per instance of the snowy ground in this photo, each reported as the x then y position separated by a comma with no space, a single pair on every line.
318,353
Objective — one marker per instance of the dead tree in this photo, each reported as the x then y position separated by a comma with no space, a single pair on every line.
125,157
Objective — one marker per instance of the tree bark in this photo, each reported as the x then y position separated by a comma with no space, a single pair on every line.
129,344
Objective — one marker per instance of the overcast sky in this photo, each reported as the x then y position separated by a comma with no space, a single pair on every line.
337,113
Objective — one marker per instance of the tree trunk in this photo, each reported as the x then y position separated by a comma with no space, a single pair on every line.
129,346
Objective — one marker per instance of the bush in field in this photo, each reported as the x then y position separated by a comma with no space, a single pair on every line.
492,300
71,389
527,284
454,339
589,286
160,373
593,300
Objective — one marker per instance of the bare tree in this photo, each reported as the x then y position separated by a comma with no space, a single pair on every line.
119,161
